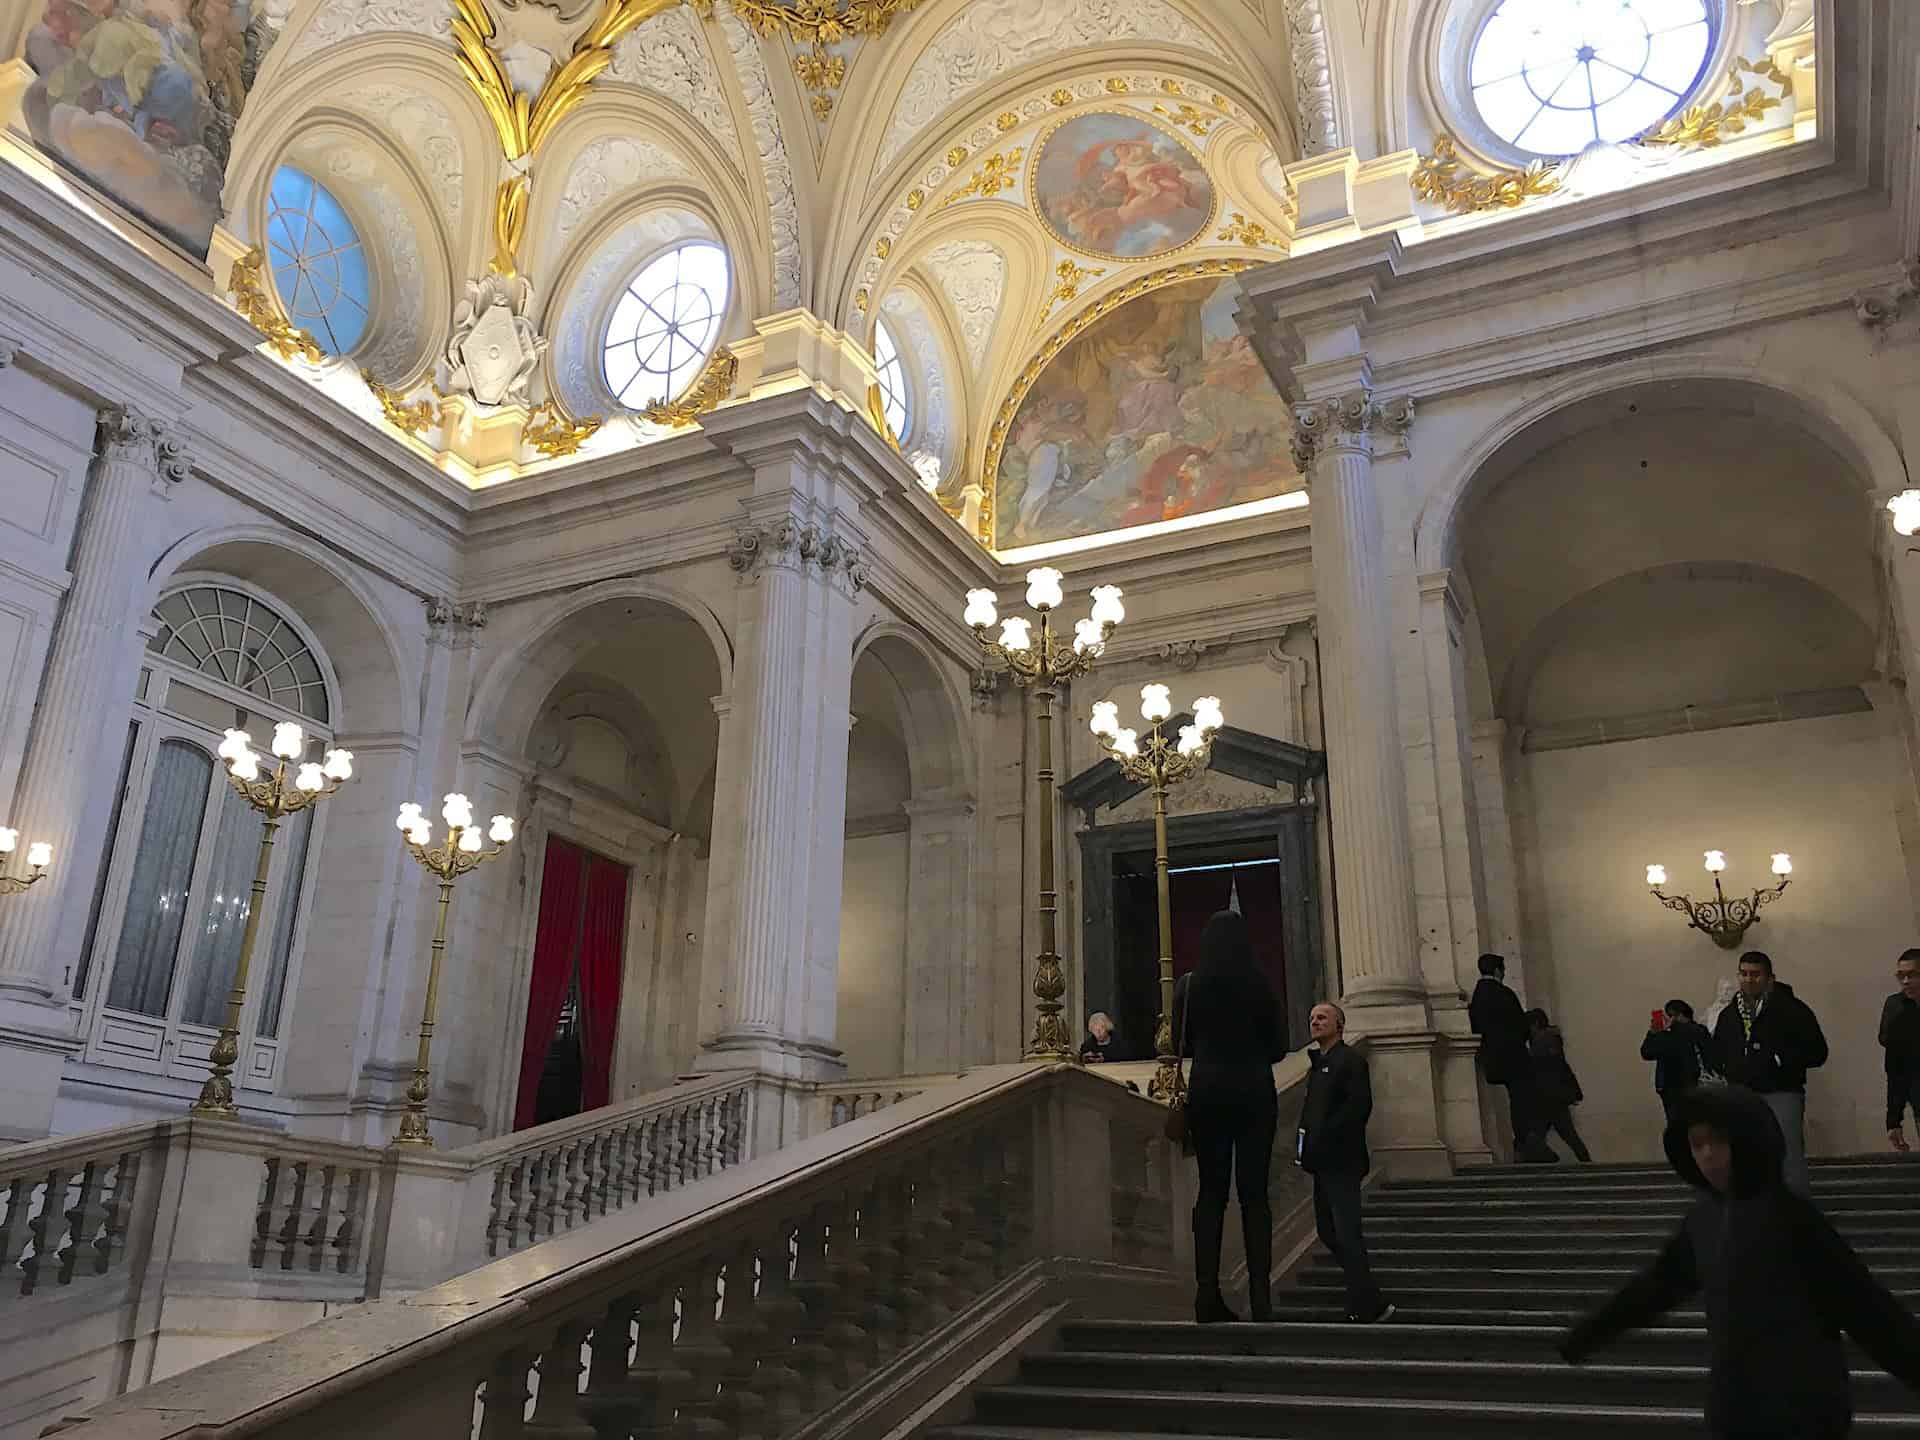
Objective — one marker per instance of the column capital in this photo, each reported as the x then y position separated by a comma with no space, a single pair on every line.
803,546
1353,420
129,437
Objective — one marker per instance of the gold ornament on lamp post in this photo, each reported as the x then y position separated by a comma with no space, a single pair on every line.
39,856
275,796
1160,763
464,851
1042,662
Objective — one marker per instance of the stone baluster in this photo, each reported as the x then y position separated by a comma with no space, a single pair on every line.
976,1255
556,1408
640,1398
907,1227
287,1236
847,1333
553,1192
63,788
879,1222
317,1234
781,1311
1334,443
744,1331
499,1210
47,1227
814,1286
701,1349
119,1212
503,1398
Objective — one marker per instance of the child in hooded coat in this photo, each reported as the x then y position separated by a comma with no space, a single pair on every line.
1778,1283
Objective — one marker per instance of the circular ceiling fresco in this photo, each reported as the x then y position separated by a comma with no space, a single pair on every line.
1115,185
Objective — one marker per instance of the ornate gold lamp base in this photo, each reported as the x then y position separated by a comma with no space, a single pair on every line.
413,1124
1166,1082
216,1092
1051,1041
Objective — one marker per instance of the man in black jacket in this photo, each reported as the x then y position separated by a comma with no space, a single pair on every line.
1900,1037
1767,1040
1332,1147
1779,1286
1500,1021
1678,1049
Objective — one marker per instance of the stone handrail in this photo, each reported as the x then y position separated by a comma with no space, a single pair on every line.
66,1207
749,1303
838,1101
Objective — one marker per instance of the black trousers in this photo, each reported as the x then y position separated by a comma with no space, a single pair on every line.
1524,1108
1336,1211
1560,1122
1233,1144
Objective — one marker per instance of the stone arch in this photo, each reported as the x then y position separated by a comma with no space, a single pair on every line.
1825,411
932,708
508,697
357,638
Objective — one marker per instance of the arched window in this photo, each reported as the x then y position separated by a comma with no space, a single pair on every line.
1553,76
665,324
175,890
319,263
895,396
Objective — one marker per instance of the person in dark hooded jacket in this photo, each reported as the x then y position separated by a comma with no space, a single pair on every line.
1768,1040
1557,1087
1778,1283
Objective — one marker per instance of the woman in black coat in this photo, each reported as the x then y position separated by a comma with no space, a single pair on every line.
1779,1285
1226,1020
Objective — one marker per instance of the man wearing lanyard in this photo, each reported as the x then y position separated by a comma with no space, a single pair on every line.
1767,1040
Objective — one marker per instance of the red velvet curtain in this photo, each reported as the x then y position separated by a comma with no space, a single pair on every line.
556,940
1193,897
602,943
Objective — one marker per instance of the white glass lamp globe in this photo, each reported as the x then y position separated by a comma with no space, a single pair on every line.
1156,703
1191,740
1043,588
1716,861
501,830
1126,742
457,810
1107,609
1207,713
1106,719
469,840
1016,633
1905,508
410,817
289,740
339,765
981,611
310,779
1783,864
1656,874
236,743
39,854
1088,638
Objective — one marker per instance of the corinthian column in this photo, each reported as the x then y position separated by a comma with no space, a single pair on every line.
71,759
1372,845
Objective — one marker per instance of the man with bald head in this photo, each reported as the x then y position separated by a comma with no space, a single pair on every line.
1332,1147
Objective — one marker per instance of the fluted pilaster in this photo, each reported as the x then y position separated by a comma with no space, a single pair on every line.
85,683
1334,441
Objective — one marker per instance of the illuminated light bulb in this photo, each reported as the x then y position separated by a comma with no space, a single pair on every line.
245,767
289,740
39,854
457,810
1716,861
1088,638
1905,508
1156,703
410,817
420,834
470,840
982,611
1783,864
1043,588
8,840
310,779
1107,609
1016,633
1105,722
1207,713
1656,875
339,765
1126,742
236,744
501,830
1191,740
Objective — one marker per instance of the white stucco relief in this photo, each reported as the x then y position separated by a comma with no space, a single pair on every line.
340,20
609,167
783,209
973,277
426,128
669,57
995,36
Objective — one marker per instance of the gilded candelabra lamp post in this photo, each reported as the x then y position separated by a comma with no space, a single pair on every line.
277,795
1042,661
1159,763
1721,919
39,857
463,852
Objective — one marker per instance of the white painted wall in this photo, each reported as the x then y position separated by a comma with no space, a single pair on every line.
1821,789
873,955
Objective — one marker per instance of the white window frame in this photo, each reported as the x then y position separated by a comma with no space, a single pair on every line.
167,1045
603,315
908,395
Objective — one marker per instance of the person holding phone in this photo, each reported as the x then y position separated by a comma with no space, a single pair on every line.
1679,1048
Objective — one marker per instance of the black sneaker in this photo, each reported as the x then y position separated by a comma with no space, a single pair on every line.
1385,1313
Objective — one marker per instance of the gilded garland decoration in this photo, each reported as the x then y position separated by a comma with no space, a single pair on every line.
1705,126
820,24
1444,179
713,385
247,283
553,432
410,419
1058,341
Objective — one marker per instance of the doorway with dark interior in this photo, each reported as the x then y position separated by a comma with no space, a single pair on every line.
1243,874
573,997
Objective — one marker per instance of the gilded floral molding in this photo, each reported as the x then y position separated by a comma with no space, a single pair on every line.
413,419
1443,179
247,283
1702,127
713,385
553,433
1067,278
819,24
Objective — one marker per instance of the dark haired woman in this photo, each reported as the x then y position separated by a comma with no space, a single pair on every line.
1225,1018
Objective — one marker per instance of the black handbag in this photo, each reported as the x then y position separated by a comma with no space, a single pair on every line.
1178,1130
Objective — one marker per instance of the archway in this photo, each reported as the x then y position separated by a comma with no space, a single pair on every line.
906,972
1700,666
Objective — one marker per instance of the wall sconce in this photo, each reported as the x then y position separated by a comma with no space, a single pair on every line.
1905,509
1722,920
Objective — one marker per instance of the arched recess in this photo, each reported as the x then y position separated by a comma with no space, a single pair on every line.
908,978
604,702
1825,411
920,324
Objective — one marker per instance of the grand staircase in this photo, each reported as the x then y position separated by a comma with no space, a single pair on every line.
1487,1270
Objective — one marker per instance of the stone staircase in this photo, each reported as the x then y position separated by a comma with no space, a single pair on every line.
1487,1270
